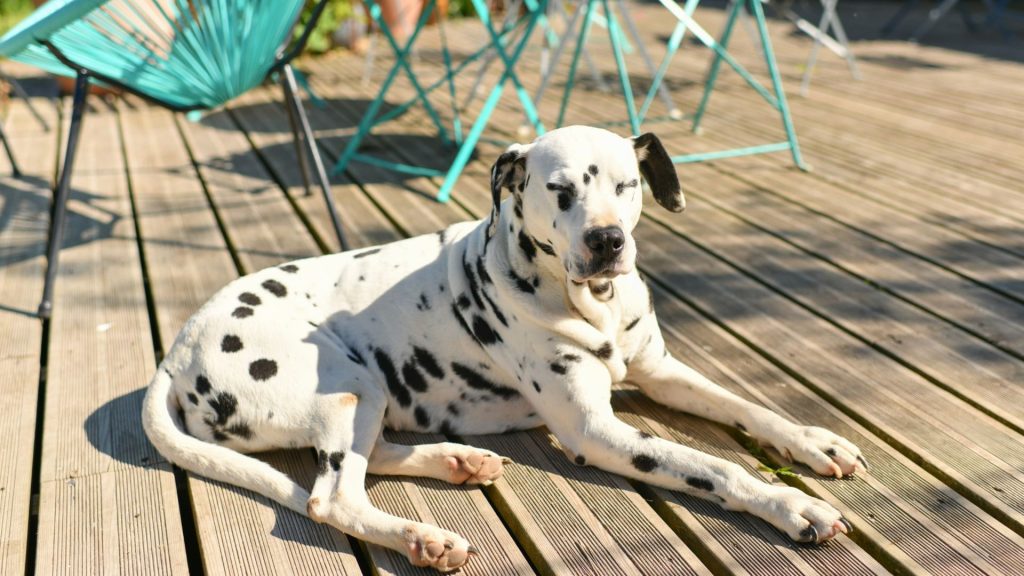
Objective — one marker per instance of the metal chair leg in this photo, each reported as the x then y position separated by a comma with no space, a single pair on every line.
60,200
291,96
300,141
15,171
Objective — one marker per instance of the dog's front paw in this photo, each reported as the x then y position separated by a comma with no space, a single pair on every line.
802,517
827,453
437,548
474,466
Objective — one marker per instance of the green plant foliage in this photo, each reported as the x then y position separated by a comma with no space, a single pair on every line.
12,12
334,14
780,472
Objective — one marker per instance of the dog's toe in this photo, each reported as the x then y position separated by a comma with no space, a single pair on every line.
475,467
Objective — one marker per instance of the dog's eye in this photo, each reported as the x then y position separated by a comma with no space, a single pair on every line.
621,186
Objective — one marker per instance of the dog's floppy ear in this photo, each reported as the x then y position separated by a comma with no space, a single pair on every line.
508,171
659,171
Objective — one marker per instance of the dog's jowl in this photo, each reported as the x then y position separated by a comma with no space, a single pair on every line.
523,319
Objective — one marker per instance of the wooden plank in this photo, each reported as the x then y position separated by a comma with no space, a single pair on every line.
106,505
464,510
187,261
24,209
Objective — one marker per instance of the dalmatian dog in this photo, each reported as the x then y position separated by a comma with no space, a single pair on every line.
523,319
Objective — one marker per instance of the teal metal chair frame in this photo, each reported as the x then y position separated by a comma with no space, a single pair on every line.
299,122
500,43
776,98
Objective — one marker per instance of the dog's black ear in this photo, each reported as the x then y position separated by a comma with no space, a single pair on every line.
508,171
659,171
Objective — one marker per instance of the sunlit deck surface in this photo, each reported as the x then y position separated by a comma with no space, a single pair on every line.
880,295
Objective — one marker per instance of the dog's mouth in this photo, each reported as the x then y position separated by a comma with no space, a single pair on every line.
585,270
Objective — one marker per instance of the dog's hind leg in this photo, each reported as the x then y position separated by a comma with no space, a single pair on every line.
448,461
350,424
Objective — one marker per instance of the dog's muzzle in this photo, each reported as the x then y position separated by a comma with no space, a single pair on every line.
606,245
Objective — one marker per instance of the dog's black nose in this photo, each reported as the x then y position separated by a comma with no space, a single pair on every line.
606,242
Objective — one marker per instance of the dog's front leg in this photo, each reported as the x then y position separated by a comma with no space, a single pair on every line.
676,385
578,411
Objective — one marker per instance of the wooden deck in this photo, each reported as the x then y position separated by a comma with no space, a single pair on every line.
880,295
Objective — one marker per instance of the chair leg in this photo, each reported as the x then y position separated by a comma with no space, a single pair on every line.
300,141
15,171
291,91
61,198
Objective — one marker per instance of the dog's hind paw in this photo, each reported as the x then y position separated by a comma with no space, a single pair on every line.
475,466
437,548
825,452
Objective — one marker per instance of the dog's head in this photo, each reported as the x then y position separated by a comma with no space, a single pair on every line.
577,189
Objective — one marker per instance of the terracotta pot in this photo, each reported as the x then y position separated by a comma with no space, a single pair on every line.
401,17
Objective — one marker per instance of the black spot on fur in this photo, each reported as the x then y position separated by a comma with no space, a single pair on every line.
484,333
517,207
462,301
558,368
321,463
395,386
356,357
478,381
362,278
249,298
263,369
544,247
289,268
564,201
427,361
462,321
586,178
604,352
366,253
446,428
203,385
522,284
481,269
497,311
474,286
219,436
192,398
580,460
592,169
453,409
700,483
413,378
424,303
422,418
632,324
275,288
644,435
644,463
440,237
240,429
830,452
231,343
224,405
527,246
242,312
536,386
571,357
335,460
741,427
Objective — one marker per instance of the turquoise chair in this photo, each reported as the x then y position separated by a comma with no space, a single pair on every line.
186,55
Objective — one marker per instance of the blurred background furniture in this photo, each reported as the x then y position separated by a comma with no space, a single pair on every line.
185,55
836,42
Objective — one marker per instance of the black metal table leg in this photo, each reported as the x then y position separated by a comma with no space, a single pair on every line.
300,140
288,81
61,198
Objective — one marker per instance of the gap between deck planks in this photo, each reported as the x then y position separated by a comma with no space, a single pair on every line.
24,205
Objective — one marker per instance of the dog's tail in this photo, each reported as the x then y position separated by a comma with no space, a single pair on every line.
166,431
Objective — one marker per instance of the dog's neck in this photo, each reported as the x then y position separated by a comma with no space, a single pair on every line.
535,262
